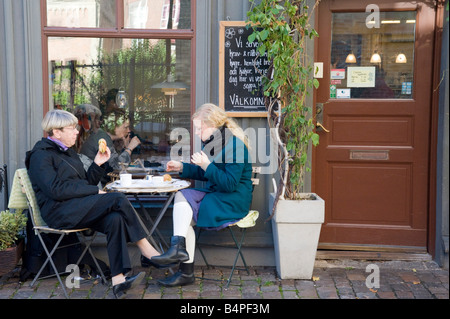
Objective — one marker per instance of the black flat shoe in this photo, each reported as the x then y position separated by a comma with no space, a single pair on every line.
147,262
177,279
184,276
121,289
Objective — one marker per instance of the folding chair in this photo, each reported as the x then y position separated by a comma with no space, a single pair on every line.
247,222
22,181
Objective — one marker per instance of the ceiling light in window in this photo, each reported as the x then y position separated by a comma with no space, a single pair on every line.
401,58
376,58
350,58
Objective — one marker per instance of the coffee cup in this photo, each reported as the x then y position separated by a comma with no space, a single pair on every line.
158,180
125,180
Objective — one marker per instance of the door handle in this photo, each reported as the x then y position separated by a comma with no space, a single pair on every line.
319,118
320,127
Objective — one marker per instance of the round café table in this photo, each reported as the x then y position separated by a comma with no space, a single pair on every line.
143,189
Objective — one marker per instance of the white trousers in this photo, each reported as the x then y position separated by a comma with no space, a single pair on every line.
183,223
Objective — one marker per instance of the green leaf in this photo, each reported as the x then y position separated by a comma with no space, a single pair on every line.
262,49
314,33
316,83
304,158
252,37
264,34
315,139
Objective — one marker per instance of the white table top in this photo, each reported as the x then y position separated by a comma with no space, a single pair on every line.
145,186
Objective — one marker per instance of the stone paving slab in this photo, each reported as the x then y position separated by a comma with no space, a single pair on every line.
331,280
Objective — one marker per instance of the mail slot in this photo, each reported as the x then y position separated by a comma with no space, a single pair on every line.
369,155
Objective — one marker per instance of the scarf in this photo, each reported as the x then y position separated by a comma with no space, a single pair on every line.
214,145
58,142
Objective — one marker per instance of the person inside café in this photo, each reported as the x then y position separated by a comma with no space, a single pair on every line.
225,166
121,135
69,198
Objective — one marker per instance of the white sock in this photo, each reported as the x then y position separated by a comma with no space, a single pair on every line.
182,215
190,243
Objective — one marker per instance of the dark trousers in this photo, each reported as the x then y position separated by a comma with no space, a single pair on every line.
114,216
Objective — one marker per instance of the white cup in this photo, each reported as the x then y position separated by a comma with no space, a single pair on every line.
125,180
158,180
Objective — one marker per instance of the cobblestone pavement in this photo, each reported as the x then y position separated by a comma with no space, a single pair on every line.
331,280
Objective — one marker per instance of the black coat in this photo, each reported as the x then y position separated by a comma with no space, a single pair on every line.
65,192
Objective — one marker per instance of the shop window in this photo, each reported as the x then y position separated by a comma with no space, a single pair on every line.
83,76
372,59
129,74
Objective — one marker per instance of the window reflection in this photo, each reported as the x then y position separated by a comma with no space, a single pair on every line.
81,14
138,14
372,62
89,73
157,14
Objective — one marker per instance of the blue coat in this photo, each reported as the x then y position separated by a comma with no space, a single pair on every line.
228,185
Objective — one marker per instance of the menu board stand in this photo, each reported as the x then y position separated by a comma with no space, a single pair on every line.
240,71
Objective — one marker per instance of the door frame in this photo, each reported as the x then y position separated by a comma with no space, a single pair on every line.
385,5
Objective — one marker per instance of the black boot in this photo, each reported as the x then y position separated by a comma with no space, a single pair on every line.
147,262
184,276
174,255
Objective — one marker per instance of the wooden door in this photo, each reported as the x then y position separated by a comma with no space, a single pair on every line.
372,168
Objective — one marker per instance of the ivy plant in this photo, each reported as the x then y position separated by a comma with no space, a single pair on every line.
282,29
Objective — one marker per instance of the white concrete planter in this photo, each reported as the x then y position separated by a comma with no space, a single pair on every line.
296,229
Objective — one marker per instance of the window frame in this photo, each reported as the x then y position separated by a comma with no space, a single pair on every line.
118,32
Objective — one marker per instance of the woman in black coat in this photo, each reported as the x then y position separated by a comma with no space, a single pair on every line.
69,197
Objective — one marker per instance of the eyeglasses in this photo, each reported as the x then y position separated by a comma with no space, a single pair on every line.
70,128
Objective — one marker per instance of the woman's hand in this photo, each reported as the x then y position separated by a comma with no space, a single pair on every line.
101,191
134,142
102,158
174,166
200,159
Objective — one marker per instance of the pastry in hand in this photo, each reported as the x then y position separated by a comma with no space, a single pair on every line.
102,145
167,178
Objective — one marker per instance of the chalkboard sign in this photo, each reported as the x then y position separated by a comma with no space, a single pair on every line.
240,71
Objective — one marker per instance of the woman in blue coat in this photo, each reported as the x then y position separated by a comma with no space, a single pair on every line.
225,166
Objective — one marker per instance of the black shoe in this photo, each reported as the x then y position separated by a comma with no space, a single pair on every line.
147,262
121,289
174,255
184,276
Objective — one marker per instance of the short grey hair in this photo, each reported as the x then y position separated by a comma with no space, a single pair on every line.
57,119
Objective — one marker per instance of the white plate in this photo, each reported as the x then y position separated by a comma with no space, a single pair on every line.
142,183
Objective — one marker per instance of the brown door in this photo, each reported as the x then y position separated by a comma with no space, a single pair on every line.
372,168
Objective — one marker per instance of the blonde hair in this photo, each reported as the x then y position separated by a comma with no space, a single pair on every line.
215,116
57,119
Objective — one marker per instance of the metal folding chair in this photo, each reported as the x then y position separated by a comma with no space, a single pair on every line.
247,222
40,227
